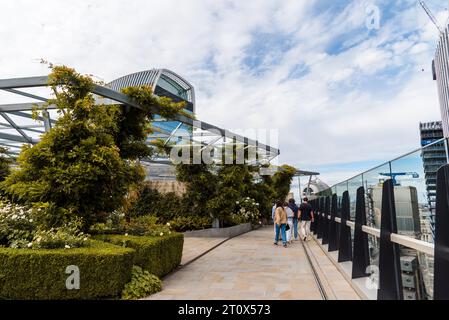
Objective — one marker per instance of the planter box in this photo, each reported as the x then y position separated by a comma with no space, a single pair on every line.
219,232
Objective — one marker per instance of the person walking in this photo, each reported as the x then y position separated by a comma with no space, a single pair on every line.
306,216
295,209
290,215
273,209
280,221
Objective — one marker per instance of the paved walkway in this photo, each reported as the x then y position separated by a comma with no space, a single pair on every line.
194,247
245,268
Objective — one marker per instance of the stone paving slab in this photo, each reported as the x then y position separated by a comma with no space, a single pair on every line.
194,247
245,268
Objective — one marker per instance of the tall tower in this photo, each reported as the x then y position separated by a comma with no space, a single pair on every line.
433,158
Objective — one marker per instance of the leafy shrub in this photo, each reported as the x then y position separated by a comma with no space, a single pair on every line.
5,163
138,226
190,222
87,162
158,255
20,227
142,285
248,211
152,202
41,274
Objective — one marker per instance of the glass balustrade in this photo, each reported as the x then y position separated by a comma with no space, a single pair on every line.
414,179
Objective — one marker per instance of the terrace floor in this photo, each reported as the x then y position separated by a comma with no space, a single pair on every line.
250,267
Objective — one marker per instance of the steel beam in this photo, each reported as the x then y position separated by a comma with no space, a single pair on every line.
28,82
26,94
14,125
42,81
11,137
23,106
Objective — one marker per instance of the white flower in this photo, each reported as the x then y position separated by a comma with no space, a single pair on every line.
14,216
126,234
31,220
247,198
161,234
168,224
237,202
39,239
85,239
67,246
257,203
169,232
29,245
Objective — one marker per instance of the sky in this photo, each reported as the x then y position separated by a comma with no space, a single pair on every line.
343,94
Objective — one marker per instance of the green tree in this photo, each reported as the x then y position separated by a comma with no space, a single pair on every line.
85,165
282,180
201,185
234,182
5,164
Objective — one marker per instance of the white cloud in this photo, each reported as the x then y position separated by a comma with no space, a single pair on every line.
332,114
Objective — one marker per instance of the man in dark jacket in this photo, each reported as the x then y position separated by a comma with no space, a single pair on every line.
294,207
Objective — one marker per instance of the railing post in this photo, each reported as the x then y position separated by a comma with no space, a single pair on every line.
319,218
333,240
345,245
327,210
361,259
314,208
441,267
390,281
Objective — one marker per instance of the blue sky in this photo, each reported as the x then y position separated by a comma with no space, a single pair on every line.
342,97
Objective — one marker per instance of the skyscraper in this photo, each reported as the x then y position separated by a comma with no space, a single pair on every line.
440,67
433,157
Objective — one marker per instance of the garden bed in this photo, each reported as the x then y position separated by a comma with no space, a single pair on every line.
104,269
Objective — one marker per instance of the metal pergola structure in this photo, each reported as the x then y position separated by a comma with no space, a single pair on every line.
20,128
301,173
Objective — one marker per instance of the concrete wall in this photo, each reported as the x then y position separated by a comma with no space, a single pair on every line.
220,232
167,186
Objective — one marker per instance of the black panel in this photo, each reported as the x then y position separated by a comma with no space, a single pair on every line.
361,249
345,245
333,240
390,280
441,271
327,211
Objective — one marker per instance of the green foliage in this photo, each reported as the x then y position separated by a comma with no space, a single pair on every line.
142,285
233,183
248,211
41,274
152,202
263,193
158,255
201,185
86,163
190,222
5,164
138,226
145,226
21,227
282,180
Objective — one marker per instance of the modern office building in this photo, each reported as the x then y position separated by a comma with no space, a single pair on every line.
434,156
440,67
165,83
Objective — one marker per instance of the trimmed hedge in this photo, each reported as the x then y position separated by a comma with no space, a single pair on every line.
41,274
157,255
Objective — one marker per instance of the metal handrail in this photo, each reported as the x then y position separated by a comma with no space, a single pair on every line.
418,245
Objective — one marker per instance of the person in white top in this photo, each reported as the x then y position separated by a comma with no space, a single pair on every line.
290,215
